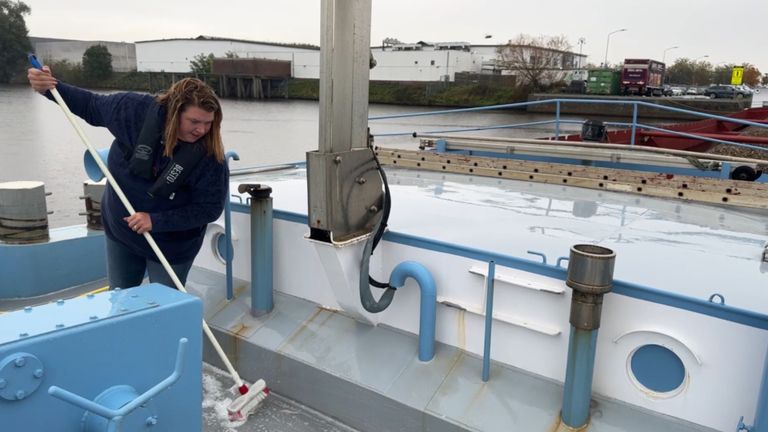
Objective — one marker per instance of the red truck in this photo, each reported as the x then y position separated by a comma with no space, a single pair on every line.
642,77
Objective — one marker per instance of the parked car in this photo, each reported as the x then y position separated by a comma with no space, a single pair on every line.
692,91
725,91
670,90
749,91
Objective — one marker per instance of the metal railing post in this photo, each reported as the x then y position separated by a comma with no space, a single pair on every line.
488,319
557,119
229,252
634,124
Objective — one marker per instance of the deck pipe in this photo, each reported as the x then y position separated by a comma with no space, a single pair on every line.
428,312
590,275
261,247
228,254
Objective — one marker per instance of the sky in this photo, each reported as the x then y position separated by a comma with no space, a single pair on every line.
724,33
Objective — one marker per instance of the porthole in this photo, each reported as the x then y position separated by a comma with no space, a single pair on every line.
657,370
219,246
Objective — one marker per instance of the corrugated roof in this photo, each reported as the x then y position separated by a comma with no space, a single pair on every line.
221,39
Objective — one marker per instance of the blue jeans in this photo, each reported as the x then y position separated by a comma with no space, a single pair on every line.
125,269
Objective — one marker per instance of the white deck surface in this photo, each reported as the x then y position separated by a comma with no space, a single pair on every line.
690,249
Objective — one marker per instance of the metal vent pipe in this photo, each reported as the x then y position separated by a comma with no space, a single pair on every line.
590,275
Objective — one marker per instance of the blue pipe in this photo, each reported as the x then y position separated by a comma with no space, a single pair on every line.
488,320
578,377
228,254
428,313
261,250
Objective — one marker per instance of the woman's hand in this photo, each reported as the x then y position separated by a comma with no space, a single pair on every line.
41,80
139,222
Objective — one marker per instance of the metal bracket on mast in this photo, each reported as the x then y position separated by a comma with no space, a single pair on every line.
343,185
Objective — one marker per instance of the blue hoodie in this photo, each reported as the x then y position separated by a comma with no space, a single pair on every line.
178,225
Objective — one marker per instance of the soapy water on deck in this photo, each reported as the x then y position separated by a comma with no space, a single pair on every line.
275,414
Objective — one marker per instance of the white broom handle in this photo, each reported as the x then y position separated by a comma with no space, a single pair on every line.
131,211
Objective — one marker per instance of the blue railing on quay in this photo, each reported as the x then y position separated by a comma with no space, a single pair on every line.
558,121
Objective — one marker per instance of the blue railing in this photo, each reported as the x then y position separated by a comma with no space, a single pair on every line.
558,121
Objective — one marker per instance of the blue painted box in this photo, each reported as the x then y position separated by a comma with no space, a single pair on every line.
110,348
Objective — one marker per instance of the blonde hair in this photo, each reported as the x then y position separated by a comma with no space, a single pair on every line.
181,95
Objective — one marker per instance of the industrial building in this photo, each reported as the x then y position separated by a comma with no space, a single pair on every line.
52,50
420,61
174,55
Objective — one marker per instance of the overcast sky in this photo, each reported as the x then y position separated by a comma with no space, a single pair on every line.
726,32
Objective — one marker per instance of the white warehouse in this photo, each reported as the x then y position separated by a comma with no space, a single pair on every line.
421,61
175,55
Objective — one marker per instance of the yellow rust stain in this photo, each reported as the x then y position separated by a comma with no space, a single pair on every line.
240,329
559,426
306,324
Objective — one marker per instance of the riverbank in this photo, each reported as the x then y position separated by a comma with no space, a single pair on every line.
443,94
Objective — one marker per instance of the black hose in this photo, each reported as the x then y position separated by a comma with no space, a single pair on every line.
366,280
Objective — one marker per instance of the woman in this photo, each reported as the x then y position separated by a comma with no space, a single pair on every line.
168,159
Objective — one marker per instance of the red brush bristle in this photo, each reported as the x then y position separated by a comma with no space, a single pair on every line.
243,389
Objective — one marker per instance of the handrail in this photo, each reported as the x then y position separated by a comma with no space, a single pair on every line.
634,125
557,100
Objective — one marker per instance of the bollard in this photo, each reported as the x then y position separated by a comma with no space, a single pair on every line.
23,212
590,275
261,247
92,193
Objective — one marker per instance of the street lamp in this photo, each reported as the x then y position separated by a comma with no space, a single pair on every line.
699,58
581,43
607,42
664,56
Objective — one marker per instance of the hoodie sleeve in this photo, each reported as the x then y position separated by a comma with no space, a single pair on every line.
122,113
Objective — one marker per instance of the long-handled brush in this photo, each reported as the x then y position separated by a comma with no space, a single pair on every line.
244,404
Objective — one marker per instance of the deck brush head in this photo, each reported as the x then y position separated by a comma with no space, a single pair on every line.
246,404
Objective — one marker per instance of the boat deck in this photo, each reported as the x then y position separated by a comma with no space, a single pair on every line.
688,246
371,378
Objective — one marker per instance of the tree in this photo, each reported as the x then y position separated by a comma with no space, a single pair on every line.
201,63
97,62
231,55
751,75
722,74
702,73
14,44
537,61
687,71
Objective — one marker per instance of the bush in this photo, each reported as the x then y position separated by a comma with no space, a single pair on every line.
97,63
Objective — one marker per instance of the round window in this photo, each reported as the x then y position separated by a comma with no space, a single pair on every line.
219,246
658,369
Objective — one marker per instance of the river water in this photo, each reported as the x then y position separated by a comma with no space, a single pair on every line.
37,142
